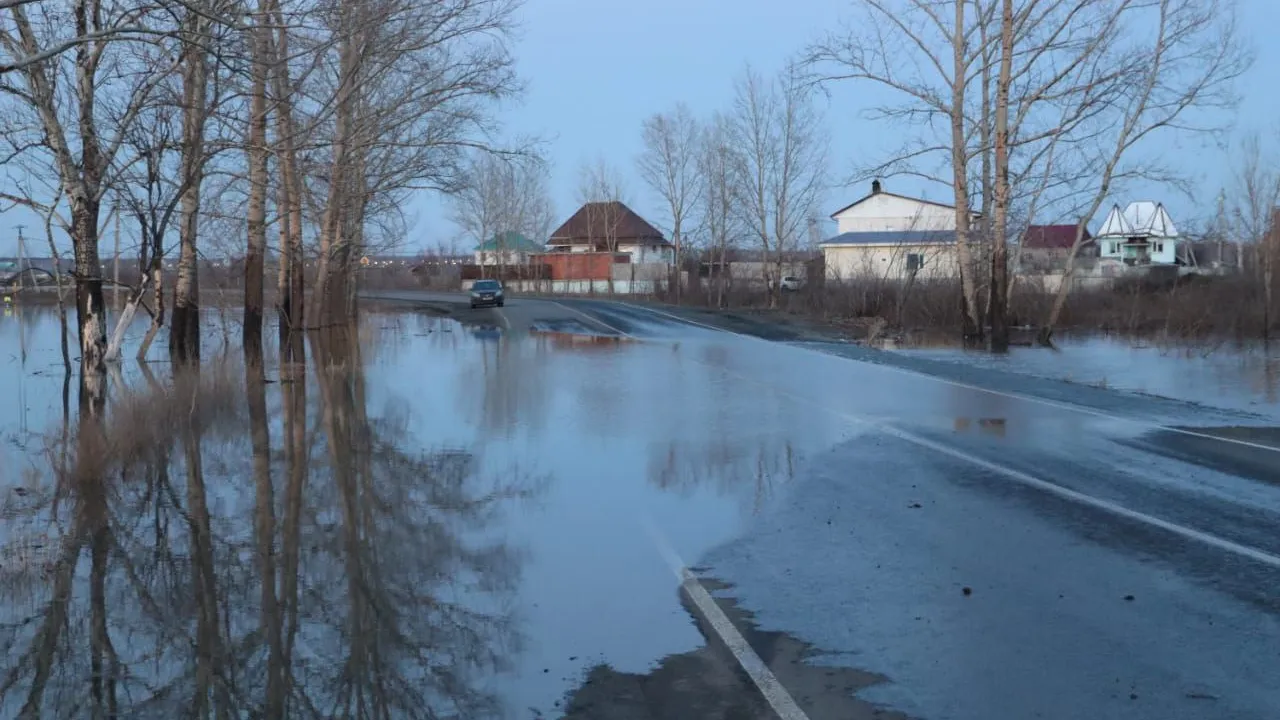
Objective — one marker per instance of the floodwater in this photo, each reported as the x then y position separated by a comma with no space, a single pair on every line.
439,520
447,520
1234,375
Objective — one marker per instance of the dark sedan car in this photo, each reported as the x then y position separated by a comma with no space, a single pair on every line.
486,292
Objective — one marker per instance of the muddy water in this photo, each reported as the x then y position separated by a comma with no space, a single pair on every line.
424,520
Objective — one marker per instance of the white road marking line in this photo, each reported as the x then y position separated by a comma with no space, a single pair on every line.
763,678
1189,533
1183,531
765,681
1015,396
1108,506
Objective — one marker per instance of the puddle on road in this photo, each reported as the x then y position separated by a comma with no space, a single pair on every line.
582,341
708,682
568,327
428,515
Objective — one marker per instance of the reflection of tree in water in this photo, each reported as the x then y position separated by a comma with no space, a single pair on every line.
751,467
719,454
381,598
410,650
509,376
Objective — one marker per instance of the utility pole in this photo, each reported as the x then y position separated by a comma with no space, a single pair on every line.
22,256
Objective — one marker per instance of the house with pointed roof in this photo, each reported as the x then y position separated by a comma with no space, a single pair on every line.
611,226
506,248
887,235
1141,234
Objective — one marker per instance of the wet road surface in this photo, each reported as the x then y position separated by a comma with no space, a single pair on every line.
584,509
967,547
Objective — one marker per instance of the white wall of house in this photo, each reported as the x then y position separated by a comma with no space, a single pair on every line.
641,254
506,257
585,287
935,261
1163,251
883,212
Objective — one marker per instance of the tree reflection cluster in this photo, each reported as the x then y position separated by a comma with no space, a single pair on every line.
216,545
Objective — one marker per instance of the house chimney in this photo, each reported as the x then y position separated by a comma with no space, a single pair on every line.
875,187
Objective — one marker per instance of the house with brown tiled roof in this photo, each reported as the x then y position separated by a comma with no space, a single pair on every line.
612,227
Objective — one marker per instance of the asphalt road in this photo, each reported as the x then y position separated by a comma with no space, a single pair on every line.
888,537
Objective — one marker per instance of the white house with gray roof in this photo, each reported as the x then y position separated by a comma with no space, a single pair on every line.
886,235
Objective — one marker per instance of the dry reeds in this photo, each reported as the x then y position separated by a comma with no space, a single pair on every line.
142,422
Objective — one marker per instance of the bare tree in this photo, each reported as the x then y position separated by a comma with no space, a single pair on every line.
601,188
503,195
600,181
256,152
781,153
200,97
934,83
1086,81
290,281
1172,60
669,165
1000,202
414,88
18,59
717,169
147,192
1252,215
76,131
602,192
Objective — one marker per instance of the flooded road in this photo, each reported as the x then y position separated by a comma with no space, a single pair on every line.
588,510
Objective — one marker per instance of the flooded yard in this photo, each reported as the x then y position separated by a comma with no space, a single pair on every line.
1235,375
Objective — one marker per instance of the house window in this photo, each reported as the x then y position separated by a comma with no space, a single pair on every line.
1115,248
915,261
1159,247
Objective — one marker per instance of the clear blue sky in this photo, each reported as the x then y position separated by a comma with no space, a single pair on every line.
597,68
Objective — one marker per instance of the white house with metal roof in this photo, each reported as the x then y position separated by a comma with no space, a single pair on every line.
886,235
1141,234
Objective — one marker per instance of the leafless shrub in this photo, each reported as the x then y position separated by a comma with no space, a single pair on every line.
1190,308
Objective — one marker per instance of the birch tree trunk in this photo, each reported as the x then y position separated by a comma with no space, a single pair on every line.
184,332
330,293
999,244
256,157
972,326
291,278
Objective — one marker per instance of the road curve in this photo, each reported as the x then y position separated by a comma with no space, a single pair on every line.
975,547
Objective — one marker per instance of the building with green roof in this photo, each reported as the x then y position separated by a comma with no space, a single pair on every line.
506,248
